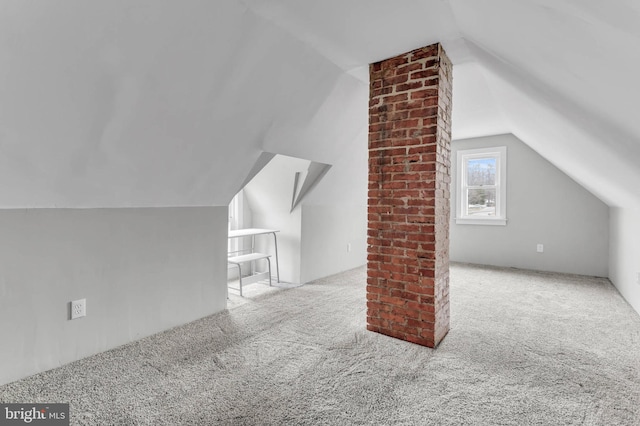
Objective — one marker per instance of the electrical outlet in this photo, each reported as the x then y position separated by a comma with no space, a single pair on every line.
540,248
638,278
78,308
348,247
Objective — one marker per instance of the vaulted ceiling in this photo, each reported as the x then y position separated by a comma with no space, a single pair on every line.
161,103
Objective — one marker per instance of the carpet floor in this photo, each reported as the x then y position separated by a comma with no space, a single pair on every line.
525,348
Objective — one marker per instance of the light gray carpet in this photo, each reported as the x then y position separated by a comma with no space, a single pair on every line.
525,348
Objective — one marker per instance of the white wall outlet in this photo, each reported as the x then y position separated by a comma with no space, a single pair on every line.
348,247
540,248
78,308
638,278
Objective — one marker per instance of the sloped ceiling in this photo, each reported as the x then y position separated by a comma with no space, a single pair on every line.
165,103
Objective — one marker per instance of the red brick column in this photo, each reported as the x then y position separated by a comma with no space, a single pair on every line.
409,176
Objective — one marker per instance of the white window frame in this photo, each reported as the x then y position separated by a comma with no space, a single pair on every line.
236,219
500,154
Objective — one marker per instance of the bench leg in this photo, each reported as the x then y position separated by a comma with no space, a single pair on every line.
269,262
240,278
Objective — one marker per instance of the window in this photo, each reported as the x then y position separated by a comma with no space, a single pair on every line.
482,189
235,222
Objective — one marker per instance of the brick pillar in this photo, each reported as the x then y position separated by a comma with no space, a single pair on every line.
409,176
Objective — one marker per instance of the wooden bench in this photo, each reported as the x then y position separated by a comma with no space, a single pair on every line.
246,258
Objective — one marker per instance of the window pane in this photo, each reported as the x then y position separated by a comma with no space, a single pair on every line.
481,171
481,202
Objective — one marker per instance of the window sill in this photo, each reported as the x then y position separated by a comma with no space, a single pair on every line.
491,222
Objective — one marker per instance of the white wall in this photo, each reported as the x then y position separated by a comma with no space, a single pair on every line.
157,103
335,214
326,233
624,254
269,195
313,239
141,270
543,206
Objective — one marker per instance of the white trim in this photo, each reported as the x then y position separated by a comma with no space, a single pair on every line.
500,154
489,221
